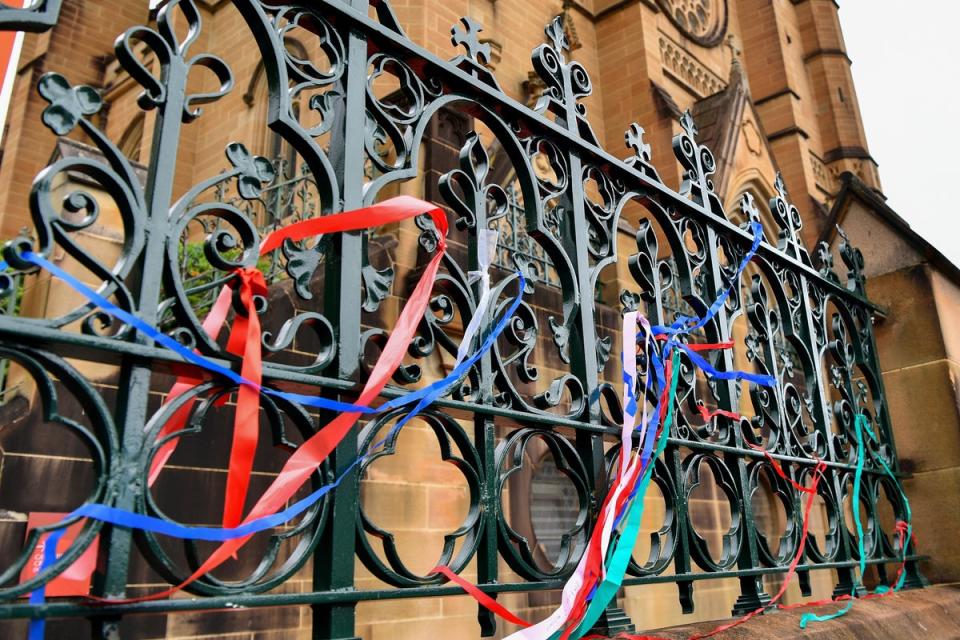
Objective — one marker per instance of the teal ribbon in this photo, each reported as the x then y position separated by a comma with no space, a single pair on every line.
807,618
906,512
861,424
620,558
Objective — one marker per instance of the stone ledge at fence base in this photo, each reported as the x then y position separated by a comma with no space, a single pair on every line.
928,613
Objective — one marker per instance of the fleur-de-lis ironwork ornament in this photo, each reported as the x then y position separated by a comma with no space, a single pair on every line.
699,163
566,82
789,220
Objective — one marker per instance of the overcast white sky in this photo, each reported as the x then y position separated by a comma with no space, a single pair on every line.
905,67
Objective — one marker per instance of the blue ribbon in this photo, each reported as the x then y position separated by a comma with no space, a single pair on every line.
38,626
132,520
124,518
707,368
205,363
649,437
681,325
120,517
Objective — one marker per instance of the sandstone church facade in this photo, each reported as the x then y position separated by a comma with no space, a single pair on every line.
769,85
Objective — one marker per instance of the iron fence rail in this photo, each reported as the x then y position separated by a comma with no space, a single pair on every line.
685,246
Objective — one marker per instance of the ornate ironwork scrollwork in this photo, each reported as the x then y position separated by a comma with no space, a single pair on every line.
355,105
699,163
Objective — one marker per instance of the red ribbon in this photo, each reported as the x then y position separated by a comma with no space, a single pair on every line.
245,342
481,597
595,560
709,415
788,577
311,454
780,472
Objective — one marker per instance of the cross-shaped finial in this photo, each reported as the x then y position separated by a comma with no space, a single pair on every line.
469,37
635,141
748,207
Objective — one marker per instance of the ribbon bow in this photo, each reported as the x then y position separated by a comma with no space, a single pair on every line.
244,342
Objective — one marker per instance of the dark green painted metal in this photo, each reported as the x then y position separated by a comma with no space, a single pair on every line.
41,16
800,317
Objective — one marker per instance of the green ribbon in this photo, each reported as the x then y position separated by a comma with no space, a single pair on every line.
861,425
807,618
622,552
908,519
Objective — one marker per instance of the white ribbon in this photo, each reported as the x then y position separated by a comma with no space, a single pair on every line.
627,466
548,627
486,253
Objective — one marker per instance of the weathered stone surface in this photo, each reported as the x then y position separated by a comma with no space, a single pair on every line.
925,613
936,519
906,337
946,293
925,415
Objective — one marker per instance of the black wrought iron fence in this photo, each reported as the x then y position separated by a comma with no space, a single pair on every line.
10,307
686,252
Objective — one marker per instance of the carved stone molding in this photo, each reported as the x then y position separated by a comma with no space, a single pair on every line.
687,70
825,178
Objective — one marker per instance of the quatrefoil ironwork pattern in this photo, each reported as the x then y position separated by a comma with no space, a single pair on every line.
361,109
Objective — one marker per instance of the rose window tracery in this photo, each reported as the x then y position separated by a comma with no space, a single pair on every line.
703,21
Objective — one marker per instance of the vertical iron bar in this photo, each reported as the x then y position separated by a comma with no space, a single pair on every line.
668,300
485,439
583,334
334,561
821,403
135,375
